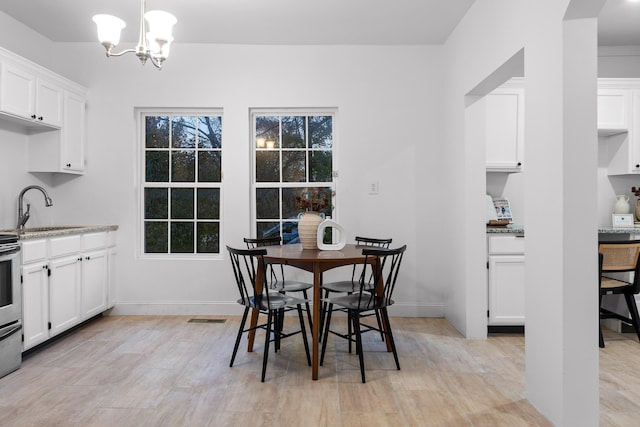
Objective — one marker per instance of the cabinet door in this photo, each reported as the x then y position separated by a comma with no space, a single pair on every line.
17,91
504,129
73,133
64,293
35,304
506,290
613,110
95,275
49,103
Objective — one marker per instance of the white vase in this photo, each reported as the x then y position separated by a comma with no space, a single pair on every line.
308,229
622,204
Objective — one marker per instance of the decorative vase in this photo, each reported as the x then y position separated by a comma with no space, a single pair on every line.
308,228
638,210
622,204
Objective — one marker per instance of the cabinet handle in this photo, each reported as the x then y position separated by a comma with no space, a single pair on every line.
40,118
519,164
33,116
68,165
88,258
80,259
637,166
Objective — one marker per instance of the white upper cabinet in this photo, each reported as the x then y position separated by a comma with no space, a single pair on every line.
17,91
49,103
614,107
504,109
50,109
619,125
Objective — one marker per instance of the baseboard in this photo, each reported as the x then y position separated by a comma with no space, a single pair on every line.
234,309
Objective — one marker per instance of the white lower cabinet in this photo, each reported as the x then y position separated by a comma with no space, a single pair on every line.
65,282
506,281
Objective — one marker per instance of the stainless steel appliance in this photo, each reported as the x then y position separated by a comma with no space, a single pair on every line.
10,305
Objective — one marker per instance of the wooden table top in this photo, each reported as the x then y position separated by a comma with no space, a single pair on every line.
350,253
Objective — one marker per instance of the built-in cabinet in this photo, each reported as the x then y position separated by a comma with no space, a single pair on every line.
51,111
619,124
506,276
65,281
504,132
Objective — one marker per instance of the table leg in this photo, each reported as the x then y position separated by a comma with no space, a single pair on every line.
315,330
252,333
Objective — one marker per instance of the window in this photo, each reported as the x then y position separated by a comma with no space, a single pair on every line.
181,176
293,157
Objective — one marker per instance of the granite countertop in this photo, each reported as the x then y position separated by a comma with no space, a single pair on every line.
603,229
510,228
57,230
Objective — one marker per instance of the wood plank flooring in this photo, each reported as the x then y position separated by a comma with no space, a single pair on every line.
165,371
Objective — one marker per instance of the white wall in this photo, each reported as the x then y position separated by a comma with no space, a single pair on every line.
388,101
561,356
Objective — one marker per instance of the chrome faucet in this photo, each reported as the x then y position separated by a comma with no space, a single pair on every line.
23,217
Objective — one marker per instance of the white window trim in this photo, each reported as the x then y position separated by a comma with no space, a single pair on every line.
139,180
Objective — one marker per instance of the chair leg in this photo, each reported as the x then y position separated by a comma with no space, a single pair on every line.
385,316
304,335
633,310
308,308
355,316
379,325
323,314
326,333
601,343
267,338
350,331
240,330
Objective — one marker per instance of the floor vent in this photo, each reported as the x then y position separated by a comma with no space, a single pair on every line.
207,320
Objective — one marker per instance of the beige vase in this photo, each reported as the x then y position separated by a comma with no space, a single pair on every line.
308,229
638,210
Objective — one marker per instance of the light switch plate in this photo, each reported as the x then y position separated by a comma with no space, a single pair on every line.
373,187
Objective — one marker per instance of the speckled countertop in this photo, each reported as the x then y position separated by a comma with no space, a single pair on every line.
58,230
511,229
519,229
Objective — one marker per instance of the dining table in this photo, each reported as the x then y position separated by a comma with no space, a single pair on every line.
317,262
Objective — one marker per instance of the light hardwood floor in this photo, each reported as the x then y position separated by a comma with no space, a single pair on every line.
165,371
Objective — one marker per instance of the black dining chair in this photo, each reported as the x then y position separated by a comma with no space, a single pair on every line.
622,256
277,281
382,265
251,279
352,285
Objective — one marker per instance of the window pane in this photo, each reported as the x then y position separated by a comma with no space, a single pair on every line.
293,166
183,166
157,166
320,132
208,237
268,229
320,167
209,166
267,166
156,203
267,203
268,129
289,209
182,237
209,132
155,237
290,233
156,132
183,133
293,132
208,203
182,203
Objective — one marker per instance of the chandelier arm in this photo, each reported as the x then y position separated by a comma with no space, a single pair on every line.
121,53
155,62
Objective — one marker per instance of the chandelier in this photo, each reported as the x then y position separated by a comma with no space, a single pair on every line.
152,45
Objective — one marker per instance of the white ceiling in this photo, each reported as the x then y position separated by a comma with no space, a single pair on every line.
288,21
